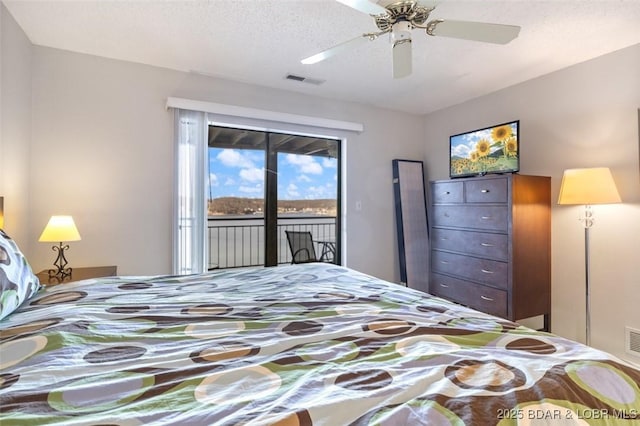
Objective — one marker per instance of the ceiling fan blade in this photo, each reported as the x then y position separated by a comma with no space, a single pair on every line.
402,58
364,6
478,31
332,51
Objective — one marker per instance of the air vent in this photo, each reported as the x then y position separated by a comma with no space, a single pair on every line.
302,79
632,341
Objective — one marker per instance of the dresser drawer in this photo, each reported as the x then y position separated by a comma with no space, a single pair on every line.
447,192
486,191
494,246
476,269
476,296
494,218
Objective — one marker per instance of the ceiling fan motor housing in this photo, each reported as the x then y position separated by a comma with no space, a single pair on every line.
405,10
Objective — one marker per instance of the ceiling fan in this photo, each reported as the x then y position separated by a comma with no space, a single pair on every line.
399,17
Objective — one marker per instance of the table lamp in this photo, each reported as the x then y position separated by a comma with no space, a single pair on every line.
588,186
60,229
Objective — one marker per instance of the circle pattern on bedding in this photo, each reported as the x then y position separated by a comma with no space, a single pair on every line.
606,383
60,297
28,328
237,385
210,330
15,351
114,354
491,375
100,392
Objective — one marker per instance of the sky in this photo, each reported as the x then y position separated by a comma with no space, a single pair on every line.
240,173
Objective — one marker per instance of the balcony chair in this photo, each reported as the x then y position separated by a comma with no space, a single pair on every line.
301,245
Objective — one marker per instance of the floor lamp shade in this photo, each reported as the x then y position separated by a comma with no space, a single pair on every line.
588,186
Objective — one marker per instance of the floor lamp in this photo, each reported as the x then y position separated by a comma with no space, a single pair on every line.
588,186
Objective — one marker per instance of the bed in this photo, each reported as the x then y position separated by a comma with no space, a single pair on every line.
311,344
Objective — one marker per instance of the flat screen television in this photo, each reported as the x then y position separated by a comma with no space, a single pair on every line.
492,149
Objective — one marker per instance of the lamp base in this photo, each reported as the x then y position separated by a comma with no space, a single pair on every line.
61,272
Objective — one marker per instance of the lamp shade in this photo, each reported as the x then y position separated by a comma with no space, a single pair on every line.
588,186
1,212
59,229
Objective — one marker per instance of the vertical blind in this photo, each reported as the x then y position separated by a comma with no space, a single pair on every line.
190,214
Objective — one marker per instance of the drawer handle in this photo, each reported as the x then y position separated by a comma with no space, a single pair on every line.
444,285
447,193
485,217
444,262
486,298
484,191
486,271
444,239
486,245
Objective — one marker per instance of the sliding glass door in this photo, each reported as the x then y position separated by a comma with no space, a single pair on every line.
262,184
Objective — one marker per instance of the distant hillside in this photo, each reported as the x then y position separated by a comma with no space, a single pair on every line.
238,205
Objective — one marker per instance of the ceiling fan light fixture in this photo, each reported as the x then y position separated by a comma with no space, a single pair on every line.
401,31
401,39
402,61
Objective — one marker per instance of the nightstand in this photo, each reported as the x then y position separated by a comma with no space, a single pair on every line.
78,274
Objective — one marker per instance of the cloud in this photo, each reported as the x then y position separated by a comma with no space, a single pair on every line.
305,164
474,137
461,150
303,178
253,174
330,163
292,190
213,179
242,160
233,158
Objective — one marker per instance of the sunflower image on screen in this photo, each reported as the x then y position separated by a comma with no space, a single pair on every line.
489,150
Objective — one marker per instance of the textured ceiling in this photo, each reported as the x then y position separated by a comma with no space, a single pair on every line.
260,41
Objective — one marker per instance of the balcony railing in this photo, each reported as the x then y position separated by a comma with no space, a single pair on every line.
237,242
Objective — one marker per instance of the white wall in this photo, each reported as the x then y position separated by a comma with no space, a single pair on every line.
102,151
15,126
583,116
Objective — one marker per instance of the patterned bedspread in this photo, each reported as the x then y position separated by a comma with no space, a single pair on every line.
302,344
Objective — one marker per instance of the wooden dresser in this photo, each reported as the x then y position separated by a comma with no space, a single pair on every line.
491,244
